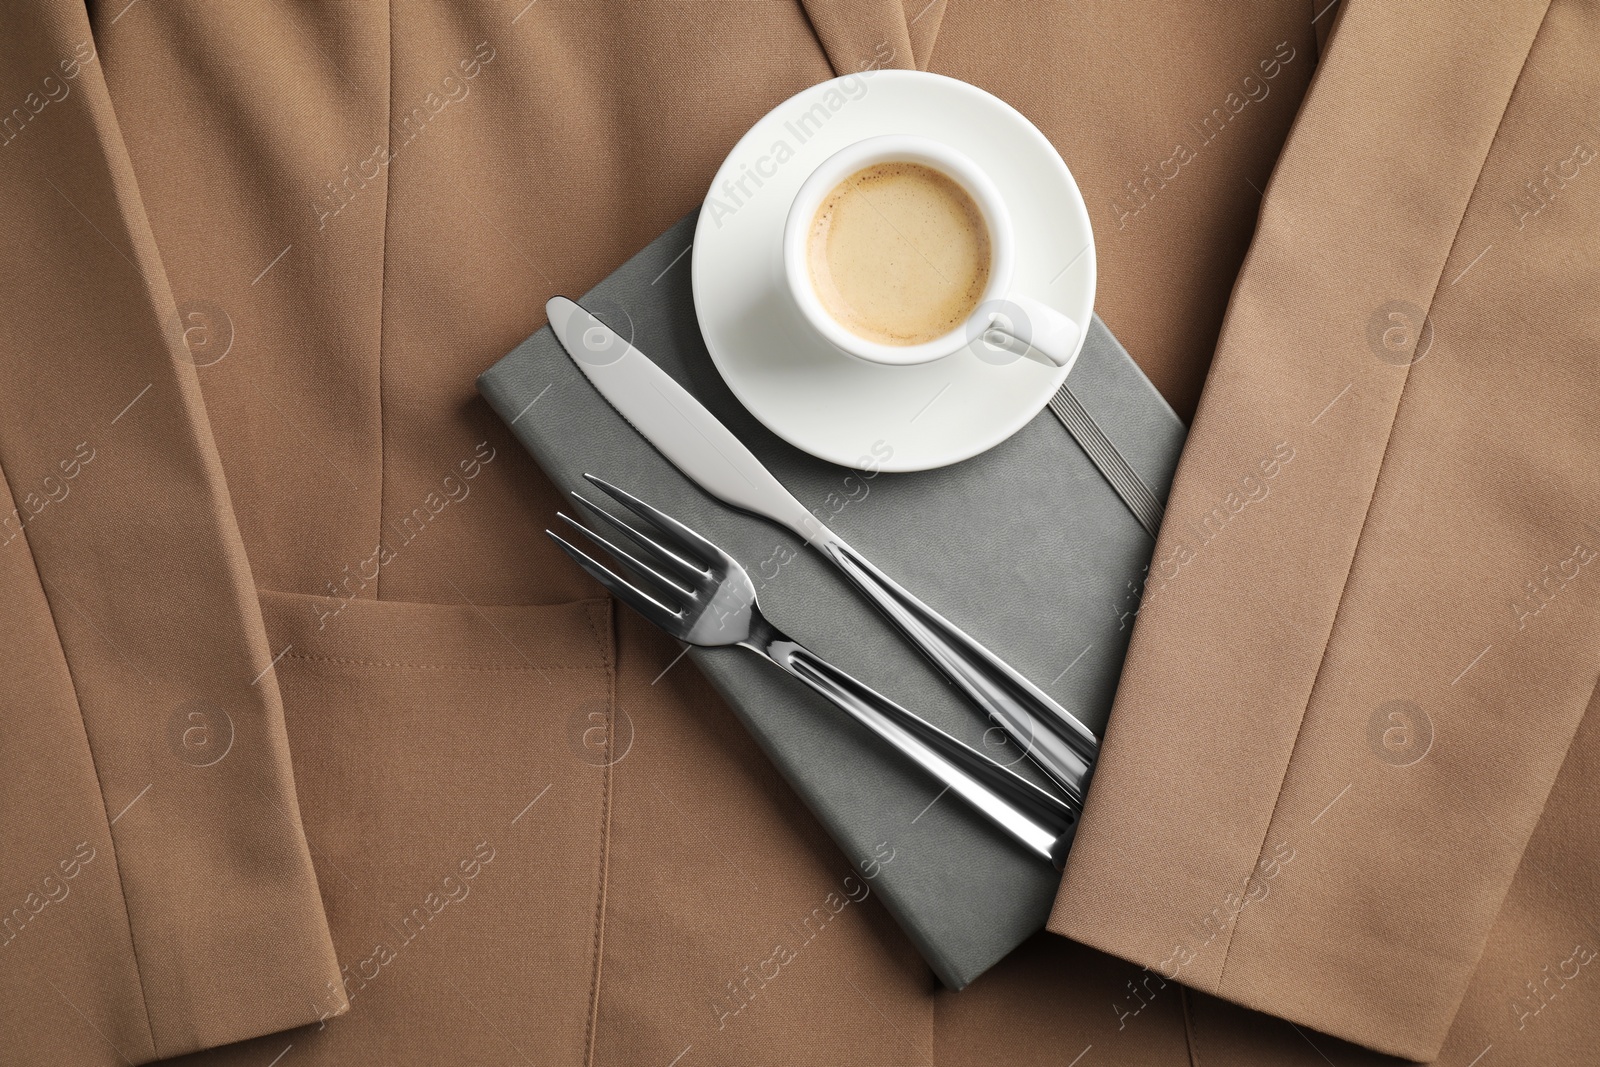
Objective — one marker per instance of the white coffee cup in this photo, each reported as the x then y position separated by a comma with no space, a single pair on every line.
1004,324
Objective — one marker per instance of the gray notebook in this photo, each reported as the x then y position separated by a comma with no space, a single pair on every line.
1037,548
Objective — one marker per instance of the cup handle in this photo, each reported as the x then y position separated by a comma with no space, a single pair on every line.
1028,327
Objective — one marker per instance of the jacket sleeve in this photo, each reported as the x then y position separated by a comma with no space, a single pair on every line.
1368,632
157,895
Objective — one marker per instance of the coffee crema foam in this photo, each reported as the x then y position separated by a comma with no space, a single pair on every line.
899,253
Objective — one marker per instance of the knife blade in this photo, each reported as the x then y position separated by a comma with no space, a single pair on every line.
704,450
672,420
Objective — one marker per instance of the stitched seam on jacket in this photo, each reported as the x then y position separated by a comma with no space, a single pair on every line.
94,766
1316,681
1188,1026
593,1027
592,609
383,290
438,666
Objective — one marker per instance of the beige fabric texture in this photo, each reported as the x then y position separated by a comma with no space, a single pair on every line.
316,752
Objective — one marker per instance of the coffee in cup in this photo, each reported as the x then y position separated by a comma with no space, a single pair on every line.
900,250
899,253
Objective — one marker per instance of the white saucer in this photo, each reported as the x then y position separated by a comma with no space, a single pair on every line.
802,388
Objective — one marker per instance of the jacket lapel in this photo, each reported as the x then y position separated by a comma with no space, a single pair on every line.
923,18
1236,648
872,34
120,500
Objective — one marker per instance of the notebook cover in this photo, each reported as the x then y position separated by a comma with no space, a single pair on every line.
1026,547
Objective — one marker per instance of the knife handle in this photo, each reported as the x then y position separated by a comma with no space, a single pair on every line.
1040,821
1062,746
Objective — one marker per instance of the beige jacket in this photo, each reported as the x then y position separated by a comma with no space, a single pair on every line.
316,753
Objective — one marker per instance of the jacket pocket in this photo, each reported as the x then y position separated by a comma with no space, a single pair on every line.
452,770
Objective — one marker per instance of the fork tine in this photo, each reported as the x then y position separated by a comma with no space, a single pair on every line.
676,532
650,545
652,609
624,556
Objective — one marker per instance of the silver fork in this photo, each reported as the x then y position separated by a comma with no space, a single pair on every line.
698,593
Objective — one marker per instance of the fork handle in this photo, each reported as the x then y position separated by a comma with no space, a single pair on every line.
1040,821
1062,746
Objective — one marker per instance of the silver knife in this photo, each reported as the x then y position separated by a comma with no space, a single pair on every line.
708,453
